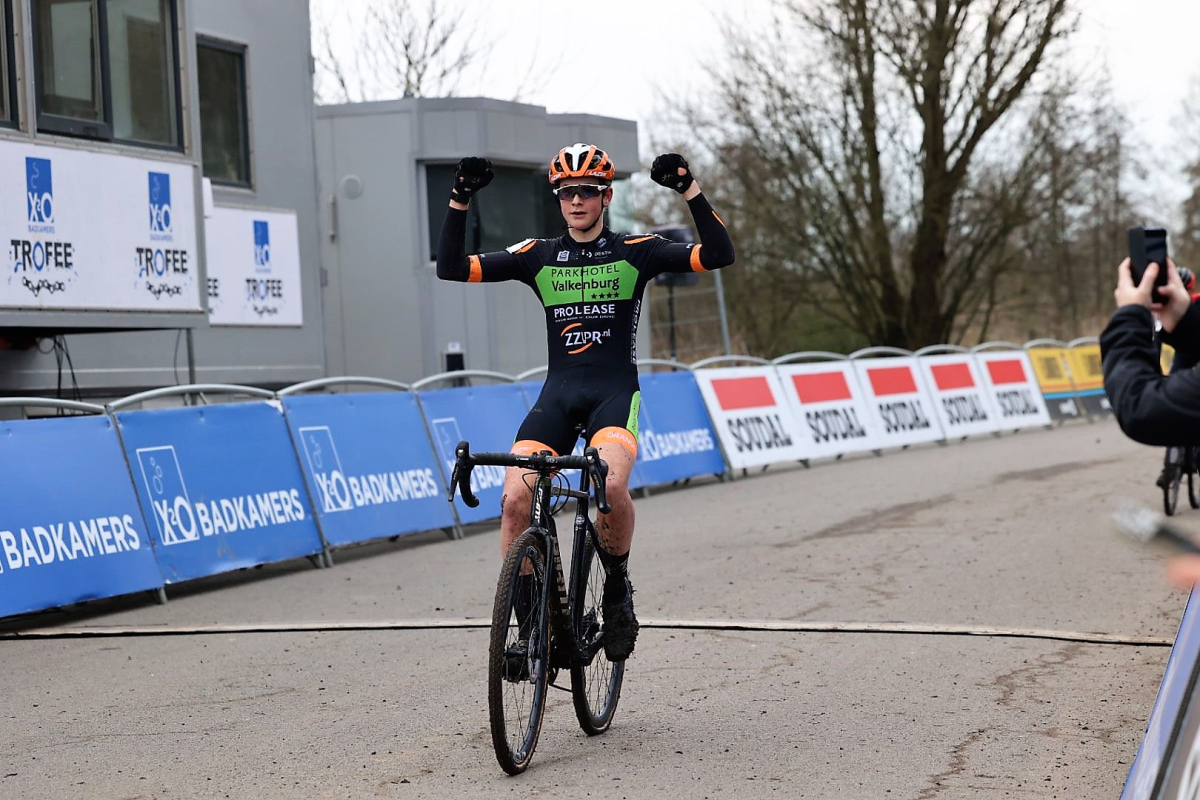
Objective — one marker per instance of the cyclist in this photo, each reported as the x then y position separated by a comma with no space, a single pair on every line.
590,281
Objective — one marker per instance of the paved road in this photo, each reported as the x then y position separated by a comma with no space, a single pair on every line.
1007,533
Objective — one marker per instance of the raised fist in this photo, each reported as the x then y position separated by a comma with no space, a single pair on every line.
671,170
473,174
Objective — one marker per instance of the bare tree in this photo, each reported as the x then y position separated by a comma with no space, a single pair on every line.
409,48
856,127
406,48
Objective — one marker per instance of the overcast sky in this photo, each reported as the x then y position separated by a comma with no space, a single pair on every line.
627,52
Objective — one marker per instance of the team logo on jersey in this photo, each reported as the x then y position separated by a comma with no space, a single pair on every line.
563,255
578,339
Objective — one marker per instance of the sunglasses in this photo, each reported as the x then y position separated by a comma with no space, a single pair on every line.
584,191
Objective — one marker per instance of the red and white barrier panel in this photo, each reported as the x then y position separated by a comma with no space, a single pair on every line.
1013,386
751,414
830,408
901,409
961,399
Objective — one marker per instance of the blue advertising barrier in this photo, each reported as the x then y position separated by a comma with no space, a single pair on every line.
368,462
675,435
220,487
1161,745
487,417
70,526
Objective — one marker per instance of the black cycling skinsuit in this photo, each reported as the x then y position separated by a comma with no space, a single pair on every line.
592,294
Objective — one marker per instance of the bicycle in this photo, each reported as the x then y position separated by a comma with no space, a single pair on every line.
1179,461
538,627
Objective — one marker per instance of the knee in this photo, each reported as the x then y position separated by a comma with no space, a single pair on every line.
514,507
617,492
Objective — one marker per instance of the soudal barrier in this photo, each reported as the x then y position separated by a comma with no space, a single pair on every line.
1009,377
901,409
485,416
1087,373
220,486
370,468
676,439
1168,759
750,410
961,400
62,540
830,407
1054,379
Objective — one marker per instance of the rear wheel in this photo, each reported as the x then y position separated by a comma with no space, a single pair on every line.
596,685
1170,479
1193,478
519,655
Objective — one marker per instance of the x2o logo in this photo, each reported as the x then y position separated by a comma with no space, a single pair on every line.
171,507
262,244
160,203
39,191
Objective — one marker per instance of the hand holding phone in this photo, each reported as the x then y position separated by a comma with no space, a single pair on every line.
1149,246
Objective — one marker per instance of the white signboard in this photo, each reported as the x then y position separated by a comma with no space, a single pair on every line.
901,409
960,397
830,407
84,230
253,260
1012,383
751,414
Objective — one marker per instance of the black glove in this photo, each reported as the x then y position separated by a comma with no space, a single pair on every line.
665,170
473,174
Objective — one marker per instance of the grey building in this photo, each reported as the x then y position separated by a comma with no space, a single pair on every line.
168,188
385,173
207,92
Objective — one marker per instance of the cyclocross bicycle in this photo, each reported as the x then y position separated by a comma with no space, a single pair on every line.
1178,462
538,628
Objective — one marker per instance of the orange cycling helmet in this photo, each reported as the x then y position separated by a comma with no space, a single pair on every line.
581,161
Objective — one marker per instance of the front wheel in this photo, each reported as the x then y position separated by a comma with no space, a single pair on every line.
596,685
519,655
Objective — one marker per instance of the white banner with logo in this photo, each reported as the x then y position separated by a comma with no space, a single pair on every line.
84,230
830,407
752,417
1010,379
960,397
253,262
901,408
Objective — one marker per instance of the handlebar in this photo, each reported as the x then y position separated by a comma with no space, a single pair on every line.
465,463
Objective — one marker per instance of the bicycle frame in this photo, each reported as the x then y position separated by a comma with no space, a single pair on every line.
593,475
541,524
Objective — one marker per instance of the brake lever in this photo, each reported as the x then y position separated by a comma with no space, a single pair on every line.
599,474
461,477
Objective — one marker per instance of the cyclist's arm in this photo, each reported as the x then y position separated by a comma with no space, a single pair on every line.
1151,408
714,251
453,264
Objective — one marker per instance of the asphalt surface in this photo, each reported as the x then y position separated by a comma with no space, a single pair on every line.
1009,534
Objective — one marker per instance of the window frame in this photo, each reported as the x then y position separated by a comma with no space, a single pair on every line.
241,50
10,64
102,130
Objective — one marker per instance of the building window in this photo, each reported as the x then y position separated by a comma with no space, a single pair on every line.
8,88
517,205
224,124
108,69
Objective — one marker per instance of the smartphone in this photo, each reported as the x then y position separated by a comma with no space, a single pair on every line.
1149,246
